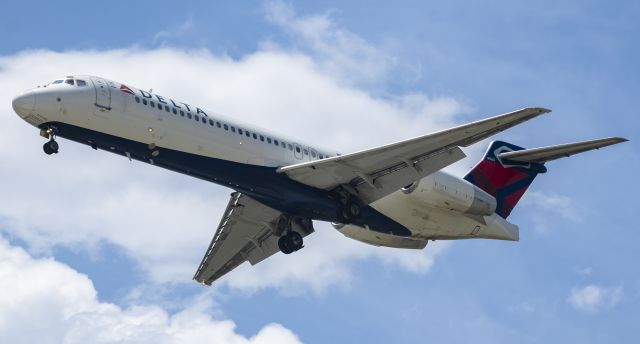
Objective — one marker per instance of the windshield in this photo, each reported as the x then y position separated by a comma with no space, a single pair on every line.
70,81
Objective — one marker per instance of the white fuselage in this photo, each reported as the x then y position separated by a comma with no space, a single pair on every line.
152,128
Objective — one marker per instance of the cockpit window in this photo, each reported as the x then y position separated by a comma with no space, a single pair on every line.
69,81
57,82
81,83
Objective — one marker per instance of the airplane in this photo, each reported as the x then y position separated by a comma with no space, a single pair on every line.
395,195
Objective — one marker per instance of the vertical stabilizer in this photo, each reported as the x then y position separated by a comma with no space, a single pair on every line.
506,180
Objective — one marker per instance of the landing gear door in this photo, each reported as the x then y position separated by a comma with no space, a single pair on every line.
103,94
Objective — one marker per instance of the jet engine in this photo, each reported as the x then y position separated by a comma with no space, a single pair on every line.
448,192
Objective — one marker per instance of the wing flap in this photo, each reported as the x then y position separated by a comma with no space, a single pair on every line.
244,234
544,154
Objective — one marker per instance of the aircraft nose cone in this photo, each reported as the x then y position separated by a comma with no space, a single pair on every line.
24,104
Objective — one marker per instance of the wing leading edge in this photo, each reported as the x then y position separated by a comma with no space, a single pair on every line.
377,172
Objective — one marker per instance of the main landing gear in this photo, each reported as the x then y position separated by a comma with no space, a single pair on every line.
51,147
290,242
349,211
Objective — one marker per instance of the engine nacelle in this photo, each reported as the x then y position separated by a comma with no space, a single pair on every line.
441,190
374,238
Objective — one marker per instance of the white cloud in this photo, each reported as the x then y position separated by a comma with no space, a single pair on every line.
186,28
552,202
45,301
593,298
545,203
339,52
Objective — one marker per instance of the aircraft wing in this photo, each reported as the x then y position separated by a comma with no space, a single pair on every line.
374,173
244,234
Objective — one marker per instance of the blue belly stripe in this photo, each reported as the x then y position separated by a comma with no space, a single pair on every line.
262,183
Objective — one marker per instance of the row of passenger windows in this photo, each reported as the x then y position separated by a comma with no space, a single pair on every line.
204,120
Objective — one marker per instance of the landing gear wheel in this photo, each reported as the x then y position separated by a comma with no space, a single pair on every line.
290,242
352,208
349,211
343,216
50,147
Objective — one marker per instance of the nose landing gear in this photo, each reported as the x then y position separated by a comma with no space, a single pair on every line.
51,147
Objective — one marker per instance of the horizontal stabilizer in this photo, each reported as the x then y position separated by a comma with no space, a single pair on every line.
544,154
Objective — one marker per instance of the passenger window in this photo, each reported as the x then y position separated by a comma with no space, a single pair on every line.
174,111
313,154
211,122
268,140
275,142
69,81
166,108
320,156
240,131
298,149
83,83
290,146
144,101
261,138
218,125
152,104
196,118
137,99
188,115
226,127
305,151
233,129
181,113
255,136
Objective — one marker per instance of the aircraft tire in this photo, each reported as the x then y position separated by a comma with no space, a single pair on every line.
290,242
51,147
342,215
352,208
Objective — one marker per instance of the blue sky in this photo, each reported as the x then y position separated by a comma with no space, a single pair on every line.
347,75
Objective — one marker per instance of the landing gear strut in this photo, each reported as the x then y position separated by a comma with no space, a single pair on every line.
51,147
290,242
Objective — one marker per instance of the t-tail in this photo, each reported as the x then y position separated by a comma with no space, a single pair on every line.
506,171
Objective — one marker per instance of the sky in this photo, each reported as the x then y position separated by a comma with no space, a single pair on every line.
94,248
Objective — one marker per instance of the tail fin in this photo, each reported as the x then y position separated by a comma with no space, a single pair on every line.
506,180
507,170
